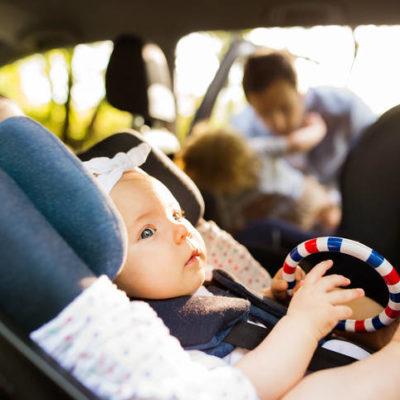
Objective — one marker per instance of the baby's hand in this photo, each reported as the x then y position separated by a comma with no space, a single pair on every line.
317,306
278,288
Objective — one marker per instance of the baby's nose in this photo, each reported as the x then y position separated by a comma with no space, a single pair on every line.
180,233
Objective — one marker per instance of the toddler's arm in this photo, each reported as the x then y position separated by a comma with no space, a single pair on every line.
309,135
281,360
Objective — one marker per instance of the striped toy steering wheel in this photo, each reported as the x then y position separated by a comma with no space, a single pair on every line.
362,252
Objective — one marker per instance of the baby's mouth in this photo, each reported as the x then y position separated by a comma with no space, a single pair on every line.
195,257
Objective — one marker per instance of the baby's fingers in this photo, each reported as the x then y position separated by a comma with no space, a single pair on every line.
280,285
334,281
280,290
343,312
344,296
300,274
318,271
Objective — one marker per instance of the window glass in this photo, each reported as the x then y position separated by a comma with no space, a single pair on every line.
363,59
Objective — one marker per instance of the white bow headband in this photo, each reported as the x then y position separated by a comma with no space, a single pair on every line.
108,171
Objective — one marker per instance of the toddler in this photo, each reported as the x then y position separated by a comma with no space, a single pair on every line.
248,186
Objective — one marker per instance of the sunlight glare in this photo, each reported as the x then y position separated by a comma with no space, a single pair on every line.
59,77
34,83
197,61
88,65
375,76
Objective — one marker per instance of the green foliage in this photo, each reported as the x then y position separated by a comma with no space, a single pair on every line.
78,127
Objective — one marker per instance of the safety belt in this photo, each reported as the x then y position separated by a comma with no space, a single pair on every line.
249,336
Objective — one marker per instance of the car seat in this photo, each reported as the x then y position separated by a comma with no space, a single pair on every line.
137,76
43,259
370,187
125,75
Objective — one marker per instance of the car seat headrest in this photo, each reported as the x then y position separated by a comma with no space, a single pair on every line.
56,183
40,273
157,165
126,79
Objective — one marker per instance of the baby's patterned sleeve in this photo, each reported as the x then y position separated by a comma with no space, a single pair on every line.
226,253
121,350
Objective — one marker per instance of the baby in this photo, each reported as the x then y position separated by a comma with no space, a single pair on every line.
166,257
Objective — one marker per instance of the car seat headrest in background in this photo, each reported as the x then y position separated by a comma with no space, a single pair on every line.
40,273
126,78
58,186
370,186
157,165
371,178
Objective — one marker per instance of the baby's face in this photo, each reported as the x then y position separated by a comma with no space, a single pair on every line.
279,106
166,254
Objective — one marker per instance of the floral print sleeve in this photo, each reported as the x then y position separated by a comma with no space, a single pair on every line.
120,349
226,253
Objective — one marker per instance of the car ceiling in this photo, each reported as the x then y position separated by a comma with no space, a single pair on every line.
28,26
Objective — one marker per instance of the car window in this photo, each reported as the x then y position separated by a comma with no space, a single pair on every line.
64,88
363,59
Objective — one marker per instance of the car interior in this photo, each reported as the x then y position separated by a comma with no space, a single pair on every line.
26,28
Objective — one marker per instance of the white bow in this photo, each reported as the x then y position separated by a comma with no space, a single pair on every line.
108,171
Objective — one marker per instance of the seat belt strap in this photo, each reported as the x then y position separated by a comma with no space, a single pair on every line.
249,336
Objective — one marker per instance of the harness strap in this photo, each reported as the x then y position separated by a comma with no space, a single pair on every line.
249,336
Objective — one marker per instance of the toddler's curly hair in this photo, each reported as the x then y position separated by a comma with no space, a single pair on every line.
219,160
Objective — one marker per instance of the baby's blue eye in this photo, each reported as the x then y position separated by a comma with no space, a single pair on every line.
178,215
148,232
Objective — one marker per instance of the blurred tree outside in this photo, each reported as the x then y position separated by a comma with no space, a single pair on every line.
54,89
64,89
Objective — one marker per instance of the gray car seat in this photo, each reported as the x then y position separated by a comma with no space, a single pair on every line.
370,186
46,198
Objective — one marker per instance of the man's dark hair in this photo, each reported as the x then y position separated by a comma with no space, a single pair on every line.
260,70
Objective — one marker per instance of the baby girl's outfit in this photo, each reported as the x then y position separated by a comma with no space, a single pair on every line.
120,349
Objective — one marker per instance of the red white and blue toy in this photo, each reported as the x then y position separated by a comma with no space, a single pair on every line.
362,252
